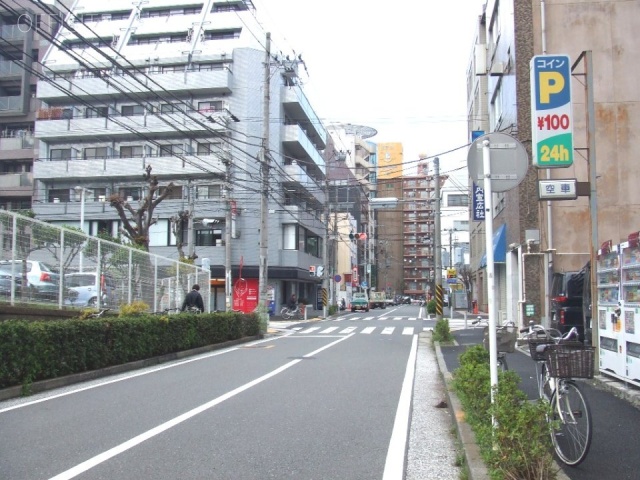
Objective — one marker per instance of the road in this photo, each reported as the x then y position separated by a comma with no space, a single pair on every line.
318,401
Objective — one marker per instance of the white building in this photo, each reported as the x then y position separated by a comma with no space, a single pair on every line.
179,86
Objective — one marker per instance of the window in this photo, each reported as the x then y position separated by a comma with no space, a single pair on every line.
222,34
211,106
169,150
209,66
60,154
208,148
165,12
229,7
170,108
132,110
171,68
134,193
131,151
457,200
175,194
205,192
59,195
96,152
209,238
96,112
290,237
312,246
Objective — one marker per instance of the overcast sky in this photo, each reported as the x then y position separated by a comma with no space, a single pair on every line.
399,67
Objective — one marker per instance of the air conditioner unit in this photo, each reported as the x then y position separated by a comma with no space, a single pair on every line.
56,200
129,199
480,53
102,198
236,234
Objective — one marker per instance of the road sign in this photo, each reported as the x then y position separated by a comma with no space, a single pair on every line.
337,279
551,117
312,270
319,270
509,161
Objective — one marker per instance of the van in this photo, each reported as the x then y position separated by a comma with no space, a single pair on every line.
567,290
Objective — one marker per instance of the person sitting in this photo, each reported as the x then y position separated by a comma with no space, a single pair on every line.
293,302
193,299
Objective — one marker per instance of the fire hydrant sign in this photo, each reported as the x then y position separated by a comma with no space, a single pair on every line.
551,117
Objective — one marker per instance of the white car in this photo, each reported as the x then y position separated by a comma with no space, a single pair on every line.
84,284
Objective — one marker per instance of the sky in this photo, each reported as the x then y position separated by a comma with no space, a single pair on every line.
399,67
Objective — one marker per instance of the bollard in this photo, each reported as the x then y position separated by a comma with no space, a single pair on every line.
465,320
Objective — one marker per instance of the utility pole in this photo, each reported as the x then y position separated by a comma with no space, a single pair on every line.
264,169
227,237
325,252
438,246
190,230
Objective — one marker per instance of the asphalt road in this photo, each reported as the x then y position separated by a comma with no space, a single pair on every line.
318,401
614,450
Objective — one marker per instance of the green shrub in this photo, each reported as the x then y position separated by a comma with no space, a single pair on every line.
34,350
135,308
518,445
441,332
431,306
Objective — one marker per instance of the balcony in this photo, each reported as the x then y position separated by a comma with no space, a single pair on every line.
214,82
13,33
16,184
12,105
16,147
10,68
298,108
192,165
119,127
295,139
297,177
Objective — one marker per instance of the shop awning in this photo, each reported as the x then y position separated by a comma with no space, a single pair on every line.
499,247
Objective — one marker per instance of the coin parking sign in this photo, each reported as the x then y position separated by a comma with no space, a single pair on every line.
551,116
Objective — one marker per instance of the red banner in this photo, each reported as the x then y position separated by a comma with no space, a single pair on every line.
245,294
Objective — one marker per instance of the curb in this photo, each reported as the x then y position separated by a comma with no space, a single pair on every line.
475,465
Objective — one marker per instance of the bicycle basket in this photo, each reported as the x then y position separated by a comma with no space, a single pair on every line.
570,361
505,338
533,345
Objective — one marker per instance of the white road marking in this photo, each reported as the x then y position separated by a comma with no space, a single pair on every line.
397,318
329,330
388,330
394,464
368,330
407,331
309,330
348,330
123,447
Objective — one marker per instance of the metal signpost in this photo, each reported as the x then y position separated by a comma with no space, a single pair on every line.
502,166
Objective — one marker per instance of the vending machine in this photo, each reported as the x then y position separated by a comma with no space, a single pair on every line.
630,308
610,331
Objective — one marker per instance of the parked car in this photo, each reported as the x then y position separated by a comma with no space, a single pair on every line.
406,300
359,301
391,301
42,280
566,301
6,279
84,284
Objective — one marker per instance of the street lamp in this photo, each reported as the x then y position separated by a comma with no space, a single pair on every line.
81,191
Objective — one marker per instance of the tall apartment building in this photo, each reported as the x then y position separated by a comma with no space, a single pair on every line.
179,87
24,33
418,232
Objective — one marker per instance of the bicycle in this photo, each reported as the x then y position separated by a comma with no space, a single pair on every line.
506,336
559,360
98,314
166,311
288,313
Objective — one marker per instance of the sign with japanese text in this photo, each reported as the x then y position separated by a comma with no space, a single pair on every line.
478,203
557,189
551,116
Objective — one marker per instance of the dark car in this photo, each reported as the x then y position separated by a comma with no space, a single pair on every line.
6,279
567,290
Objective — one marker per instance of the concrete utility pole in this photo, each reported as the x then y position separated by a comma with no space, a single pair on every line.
264,169
325,252
438,245
227,238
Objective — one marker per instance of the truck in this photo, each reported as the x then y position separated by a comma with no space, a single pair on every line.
359,301
377,300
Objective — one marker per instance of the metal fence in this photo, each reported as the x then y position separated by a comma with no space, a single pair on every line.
42,263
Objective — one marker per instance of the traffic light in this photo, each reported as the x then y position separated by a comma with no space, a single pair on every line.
357,236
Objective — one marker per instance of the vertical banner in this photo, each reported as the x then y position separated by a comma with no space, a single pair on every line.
478,203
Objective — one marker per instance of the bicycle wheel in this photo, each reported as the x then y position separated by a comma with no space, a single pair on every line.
502,361
548,383
285,313
571,417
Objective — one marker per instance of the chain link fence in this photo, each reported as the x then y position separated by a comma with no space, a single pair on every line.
44,264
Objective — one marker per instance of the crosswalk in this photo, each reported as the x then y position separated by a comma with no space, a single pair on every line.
360,330
373,318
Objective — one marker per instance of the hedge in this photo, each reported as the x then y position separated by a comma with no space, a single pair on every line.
40,350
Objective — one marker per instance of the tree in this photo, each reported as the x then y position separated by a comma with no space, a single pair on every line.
465,275
137,221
